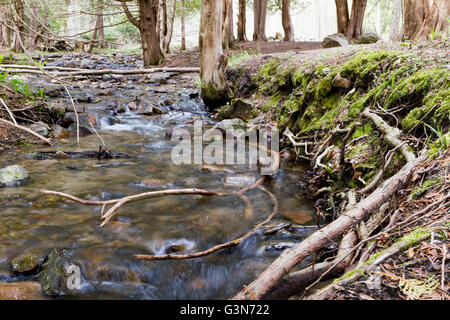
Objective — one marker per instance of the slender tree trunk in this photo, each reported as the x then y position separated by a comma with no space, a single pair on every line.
396,21
354,29
241,30
214,88
259,16
169,29
227,27
286,20
163,23
183,27
147,25
101,28
94,34
18,17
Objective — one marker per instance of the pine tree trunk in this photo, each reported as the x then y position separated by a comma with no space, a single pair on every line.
101,28
147,25
241,30
214,88
286,21
183,27
94,34
259,20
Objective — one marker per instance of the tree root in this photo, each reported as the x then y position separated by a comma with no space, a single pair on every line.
291,257
391,135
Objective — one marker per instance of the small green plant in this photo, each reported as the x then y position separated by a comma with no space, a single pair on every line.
236,59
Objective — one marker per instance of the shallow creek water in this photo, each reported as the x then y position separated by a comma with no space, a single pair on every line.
30,221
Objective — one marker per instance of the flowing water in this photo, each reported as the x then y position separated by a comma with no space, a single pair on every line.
31,221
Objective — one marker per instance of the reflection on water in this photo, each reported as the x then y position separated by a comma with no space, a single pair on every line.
30,221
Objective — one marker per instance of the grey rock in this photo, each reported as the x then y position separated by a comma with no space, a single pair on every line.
239,108
369,37
13,176
335,40
40,128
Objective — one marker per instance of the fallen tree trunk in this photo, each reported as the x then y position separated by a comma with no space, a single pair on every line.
291,257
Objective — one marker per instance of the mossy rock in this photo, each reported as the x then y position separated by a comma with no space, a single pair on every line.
28,263
238,108
13,176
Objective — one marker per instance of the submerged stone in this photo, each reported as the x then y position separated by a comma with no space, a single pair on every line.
27,290
13,176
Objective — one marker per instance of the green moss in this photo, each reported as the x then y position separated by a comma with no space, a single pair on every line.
419,191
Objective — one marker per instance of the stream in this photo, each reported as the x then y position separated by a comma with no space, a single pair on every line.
31,221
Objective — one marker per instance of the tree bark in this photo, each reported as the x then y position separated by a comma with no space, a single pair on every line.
354,29
183,27
101,28
342,16
130,17
96,29
421,19
147,25
214,88
259,20
286,20
227,26
168,28
17,18
241,30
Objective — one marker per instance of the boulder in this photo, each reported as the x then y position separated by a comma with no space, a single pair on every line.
369,37
13,176
335,40
238,108
231,126
27,290
59,274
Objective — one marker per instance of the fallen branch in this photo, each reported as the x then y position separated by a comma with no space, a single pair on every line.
228,244
21,66
9,111
291,257
27,130
391,135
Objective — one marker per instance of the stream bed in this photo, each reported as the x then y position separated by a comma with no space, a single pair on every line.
31,221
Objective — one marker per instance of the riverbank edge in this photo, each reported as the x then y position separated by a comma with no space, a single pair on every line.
318,99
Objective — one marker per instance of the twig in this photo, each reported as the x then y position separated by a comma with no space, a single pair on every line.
217,247
9,111
27,130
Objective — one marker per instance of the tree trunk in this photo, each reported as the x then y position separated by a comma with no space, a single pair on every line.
342,16
286,20
101,29
169,29
241,31
259,17
354,29
147,25
422,20
214,88
183,27
17,20
396,21
227,27
94,33
163,22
